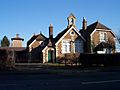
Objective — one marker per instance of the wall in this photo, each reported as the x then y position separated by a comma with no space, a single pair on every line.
17,43
67,37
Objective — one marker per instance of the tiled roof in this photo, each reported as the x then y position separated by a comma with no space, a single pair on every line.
41,47
72,15
17,38
60,35
103,45
38,37
92,27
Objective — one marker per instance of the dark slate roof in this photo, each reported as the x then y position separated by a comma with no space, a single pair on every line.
72,15
92,27
17,38
103,45
61,34
43,45
39,37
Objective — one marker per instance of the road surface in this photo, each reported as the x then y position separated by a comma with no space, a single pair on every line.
47,81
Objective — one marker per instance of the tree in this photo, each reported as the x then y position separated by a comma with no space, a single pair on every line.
5,42
118,40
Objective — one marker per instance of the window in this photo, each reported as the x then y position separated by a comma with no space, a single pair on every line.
79,46
66,47
103,36
72,33
72,21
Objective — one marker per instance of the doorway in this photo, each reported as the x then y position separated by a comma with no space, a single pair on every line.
50,56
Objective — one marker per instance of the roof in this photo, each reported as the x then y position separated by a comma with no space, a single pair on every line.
13,48
103,45
61,34
92,27
42,46
71,15
17,38
39,37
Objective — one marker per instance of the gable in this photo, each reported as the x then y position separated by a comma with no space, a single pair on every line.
38,37
67,34
91,28
103,30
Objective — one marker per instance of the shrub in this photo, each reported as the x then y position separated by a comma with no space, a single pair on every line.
71,58
7,60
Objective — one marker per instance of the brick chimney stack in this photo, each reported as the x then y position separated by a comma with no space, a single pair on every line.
84,24
51,31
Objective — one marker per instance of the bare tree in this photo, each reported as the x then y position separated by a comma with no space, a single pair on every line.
118,40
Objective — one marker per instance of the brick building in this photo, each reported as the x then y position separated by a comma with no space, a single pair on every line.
99,38
94,38
49,49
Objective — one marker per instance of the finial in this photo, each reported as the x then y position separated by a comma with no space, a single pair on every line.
51,25
17,35
34,34
84,18
40,32
97,20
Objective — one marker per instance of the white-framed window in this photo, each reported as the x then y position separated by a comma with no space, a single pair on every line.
79,46
103,36
66,46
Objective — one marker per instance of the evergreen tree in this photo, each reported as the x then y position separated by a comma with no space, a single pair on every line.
5,42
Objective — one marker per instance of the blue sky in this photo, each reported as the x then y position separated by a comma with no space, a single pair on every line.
27,17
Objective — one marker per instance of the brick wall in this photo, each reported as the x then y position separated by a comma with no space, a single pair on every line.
67,37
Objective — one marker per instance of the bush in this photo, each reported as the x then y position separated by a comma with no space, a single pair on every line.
69,58
7,60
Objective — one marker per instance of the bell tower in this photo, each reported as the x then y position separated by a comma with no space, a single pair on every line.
17,41
71,20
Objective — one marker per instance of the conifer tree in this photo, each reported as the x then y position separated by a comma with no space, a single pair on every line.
5,42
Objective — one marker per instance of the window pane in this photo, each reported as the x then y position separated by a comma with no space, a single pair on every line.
66,47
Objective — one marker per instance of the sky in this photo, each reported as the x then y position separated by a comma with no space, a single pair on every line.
28,17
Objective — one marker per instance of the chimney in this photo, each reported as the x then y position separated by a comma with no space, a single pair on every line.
84,27
51,31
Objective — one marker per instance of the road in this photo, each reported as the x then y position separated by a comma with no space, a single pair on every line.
47,81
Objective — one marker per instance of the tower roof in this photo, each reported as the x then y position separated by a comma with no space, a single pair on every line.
71,15
17,38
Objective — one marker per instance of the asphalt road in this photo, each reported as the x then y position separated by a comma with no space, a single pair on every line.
45,81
